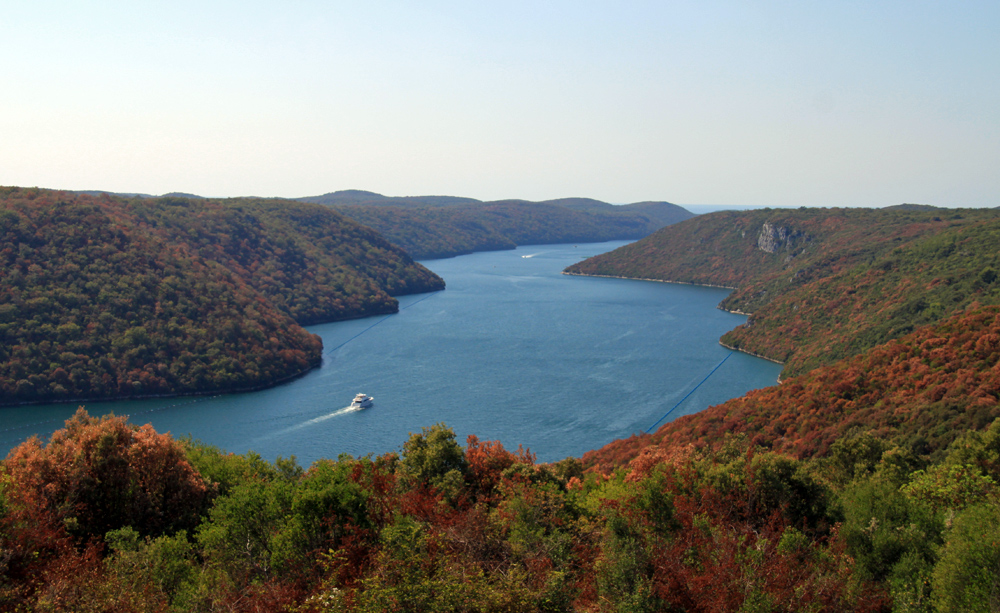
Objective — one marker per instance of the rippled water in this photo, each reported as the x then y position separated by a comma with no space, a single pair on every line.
512,350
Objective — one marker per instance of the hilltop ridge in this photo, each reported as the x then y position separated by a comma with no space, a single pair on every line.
443,226
429,227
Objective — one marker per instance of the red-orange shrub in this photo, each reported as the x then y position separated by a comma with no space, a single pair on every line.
99,474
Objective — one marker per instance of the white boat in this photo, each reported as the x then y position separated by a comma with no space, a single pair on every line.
361,401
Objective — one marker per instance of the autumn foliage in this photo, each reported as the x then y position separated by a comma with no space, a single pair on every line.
113,517
922,391
105,297
97,475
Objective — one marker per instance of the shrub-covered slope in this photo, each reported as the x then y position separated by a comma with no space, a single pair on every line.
920,391
823,284
102,297
111,517
429,233
148,524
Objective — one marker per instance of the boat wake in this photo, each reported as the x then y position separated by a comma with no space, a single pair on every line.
315,420
533,254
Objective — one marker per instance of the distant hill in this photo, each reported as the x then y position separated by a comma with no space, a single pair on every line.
913,207
823,284
180,195
98,192
430,227
106,297
445,226
356,197
582,204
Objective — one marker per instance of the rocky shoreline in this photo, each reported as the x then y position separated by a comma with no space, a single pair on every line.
580,274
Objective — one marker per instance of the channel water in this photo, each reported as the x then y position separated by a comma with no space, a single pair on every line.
512,350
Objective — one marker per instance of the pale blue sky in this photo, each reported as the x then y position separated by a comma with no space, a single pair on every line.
758,103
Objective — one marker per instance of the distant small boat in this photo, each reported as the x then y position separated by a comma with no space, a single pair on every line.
361,401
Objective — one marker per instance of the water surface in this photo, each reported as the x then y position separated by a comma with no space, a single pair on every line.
512,350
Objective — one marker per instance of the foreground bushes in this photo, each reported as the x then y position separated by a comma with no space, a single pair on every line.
108,516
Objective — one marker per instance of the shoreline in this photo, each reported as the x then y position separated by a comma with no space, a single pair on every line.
734,312
582,274
756,355
215,392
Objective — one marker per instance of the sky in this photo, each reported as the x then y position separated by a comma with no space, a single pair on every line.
796,103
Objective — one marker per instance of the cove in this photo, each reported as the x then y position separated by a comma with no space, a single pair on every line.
512,350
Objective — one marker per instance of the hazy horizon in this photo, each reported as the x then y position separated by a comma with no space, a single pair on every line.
763,103
694,208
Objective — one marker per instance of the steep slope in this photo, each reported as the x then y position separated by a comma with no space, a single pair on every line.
306,259
102,297
823,284
820,317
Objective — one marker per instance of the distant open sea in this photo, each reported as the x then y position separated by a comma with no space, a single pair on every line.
512,350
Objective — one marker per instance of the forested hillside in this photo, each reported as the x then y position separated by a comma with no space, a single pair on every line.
444,226
430,227
307,260
103,297
823,284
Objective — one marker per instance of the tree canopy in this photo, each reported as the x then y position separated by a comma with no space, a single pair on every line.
104,297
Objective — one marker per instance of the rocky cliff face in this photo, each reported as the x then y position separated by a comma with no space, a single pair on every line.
773,238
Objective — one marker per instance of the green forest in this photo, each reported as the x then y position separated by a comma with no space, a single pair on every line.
866,481
106,297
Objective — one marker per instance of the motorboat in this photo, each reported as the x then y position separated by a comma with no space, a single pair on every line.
361,401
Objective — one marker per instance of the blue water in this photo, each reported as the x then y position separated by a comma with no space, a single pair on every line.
511,351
